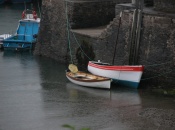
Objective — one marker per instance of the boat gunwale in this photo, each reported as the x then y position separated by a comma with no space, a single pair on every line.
30,20
90,80
18,41
106,66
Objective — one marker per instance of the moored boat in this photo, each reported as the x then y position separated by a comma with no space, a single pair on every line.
89,80
126,75
26,34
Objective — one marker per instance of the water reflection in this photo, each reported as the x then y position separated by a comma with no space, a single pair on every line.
35,94
51,71
120,97
20,97
18,69
104,109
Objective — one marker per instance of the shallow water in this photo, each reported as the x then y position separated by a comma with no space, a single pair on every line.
35,95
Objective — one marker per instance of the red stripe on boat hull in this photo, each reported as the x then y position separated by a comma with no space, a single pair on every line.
117,68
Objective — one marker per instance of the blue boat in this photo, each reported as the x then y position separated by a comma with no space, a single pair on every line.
26,34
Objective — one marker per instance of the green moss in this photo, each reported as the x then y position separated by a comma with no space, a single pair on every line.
84,53
171,92
166,92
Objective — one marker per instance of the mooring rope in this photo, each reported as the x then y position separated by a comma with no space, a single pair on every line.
80,46
68,32
159,64
159,75
68,29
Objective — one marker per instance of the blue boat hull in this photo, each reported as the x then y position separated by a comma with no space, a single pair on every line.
129,84
18,45
25,37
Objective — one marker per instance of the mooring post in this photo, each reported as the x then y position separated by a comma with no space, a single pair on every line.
117,38
138,31
133,33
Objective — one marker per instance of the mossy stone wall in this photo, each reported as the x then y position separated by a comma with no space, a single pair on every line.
165,5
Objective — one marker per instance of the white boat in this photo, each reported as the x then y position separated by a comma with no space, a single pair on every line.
126,75
89,80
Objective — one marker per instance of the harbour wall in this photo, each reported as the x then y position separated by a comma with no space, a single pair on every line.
157,41
164,5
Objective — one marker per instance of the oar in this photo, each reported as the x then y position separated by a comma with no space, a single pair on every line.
73,68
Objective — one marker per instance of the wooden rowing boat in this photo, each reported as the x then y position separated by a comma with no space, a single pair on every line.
88,80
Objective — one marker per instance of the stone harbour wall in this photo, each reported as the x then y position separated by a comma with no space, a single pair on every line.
52,39
91,13
165,5
156,50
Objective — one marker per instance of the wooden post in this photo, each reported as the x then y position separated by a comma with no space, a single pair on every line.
138,32
117,38
135,32
133,35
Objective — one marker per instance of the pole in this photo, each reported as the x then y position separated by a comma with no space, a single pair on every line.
39,8
133,35
138,31
25,5
117,38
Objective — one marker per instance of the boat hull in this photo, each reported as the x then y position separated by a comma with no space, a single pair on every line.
14,45
25,37
124,75
104,83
